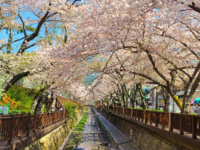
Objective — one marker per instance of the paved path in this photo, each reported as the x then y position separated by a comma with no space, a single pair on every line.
90,139
119,138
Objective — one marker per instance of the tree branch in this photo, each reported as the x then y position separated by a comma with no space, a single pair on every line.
155,68
15,79
35,34
24,26
194,7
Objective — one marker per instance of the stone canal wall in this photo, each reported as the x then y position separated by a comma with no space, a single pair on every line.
148,137
54,139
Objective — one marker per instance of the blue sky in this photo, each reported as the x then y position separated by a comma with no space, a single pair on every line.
16,46
25,15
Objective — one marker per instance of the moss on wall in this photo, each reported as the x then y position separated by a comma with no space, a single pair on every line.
54,139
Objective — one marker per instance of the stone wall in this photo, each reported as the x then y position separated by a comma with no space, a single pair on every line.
150,138
54,139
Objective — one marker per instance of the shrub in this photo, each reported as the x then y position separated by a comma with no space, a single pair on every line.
155,110
23,96
70,106
79,106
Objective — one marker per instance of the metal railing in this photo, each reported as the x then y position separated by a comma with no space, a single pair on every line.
12,126
182,122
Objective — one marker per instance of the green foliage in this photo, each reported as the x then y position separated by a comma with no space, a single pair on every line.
76,140
80,107
193,114
155,110
70,106
138,108
23,96
150,109
45,109
87,109
28,28
81,125
14,111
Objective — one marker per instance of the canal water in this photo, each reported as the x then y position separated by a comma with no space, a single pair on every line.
94,136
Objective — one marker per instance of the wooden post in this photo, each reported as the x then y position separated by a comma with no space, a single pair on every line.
181,132
170,125
135,113
11,132
156,119
131,112
29,120
194,127
117,110
123,111
163,126
145,111
150,118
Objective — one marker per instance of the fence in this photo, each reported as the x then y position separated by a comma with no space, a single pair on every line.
181,122
7,100
12,126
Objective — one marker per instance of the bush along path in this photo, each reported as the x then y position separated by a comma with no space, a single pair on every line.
87,135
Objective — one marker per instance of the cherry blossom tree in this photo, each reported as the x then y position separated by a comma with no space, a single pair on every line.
123,43
43,17
38,23
155,40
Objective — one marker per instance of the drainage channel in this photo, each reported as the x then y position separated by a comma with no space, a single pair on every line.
92,138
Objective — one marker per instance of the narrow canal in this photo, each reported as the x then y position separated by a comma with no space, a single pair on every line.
91,136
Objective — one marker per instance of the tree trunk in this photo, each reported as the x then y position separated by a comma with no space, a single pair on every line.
186,100
122,99
186,105
14,80
166,99
36,98
132,102
53,104
135,96
177,101
33,106
156,101
142,97
40,103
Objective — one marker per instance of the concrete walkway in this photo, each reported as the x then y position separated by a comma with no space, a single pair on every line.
120,140
92,138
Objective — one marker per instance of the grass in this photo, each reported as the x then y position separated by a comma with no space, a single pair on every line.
77,135
81,125
23,96
72,107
